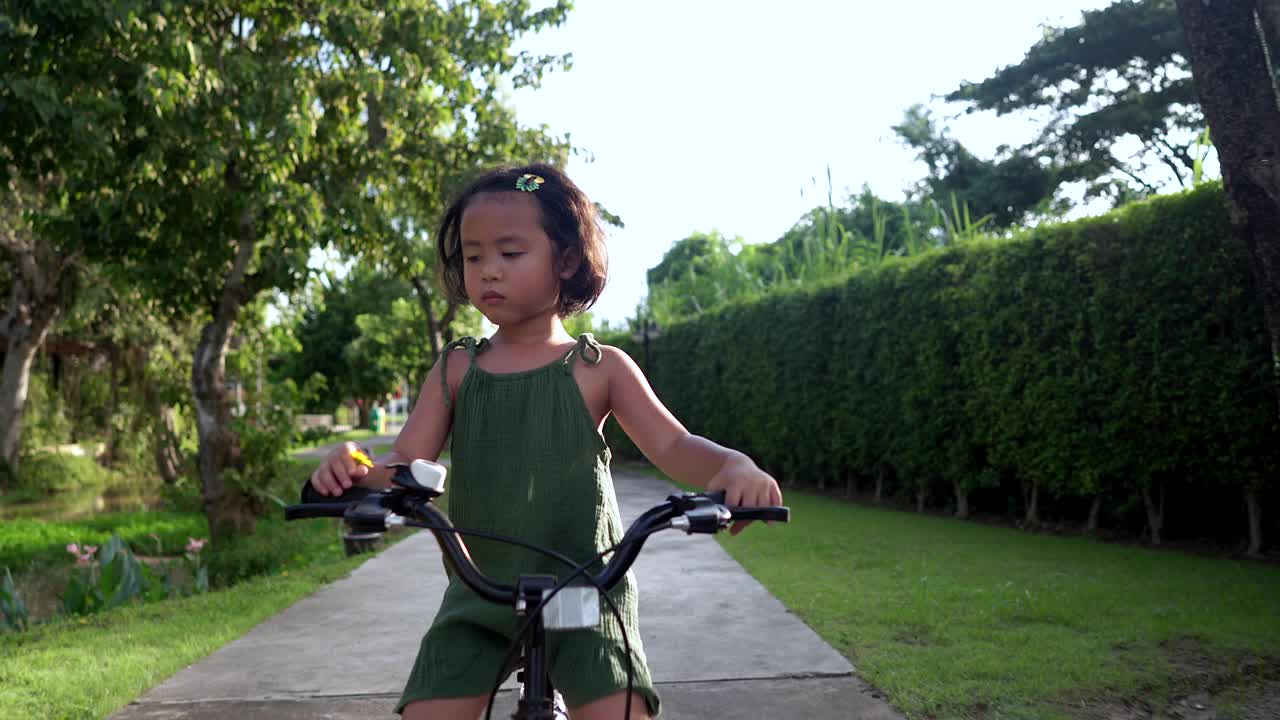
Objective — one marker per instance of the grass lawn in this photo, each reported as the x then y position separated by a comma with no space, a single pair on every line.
955,619
357,435
91,667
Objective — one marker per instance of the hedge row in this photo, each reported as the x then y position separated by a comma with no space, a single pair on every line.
1105,364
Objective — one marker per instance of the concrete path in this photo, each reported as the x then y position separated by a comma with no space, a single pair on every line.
719,645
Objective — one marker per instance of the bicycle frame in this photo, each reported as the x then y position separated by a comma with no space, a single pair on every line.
409,503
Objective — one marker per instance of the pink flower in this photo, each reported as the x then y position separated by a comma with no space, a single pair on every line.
194,545
84,555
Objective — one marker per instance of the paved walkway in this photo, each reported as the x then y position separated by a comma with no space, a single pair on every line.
719,645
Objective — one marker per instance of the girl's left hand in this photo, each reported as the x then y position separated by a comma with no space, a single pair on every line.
747,485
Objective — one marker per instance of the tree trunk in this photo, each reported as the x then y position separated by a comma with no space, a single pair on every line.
962,502
920,499
40,277
437,330
1269,19
879,499
113,437
168,457
1095,510
1238,96
1254,506
19,356
164,433
849,483
364,413
1031,495
227,509
1155,512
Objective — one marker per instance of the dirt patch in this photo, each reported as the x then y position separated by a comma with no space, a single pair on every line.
1204,684
918,638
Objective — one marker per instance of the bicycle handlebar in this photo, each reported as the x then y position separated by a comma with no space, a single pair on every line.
409,503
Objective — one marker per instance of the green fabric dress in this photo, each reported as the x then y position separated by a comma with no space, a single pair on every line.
528,462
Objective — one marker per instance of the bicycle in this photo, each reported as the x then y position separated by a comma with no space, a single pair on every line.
540,602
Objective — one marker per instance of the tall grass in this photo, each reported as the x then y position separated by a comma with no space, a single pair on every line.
819,248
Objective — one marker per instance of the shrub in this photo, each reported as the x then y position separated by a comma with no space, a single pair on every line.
1116,359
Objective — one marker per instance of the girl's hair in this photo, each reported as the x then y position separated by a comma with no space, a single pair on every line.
568,217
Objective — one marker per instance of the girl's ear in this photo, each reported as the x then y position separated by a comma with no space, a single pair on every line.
568,263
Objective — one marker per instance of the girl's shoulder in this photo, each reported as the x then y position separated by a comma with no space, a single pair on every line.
457,357
614,359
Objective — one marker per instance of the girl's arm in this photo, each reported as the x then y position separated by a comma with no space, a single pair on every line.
422,436
673,449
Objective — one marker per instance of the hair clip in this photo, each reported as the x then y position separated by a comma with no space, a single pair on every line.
529,182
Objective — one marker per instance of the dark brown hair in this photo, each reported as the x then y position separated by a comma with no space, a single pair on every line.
568,217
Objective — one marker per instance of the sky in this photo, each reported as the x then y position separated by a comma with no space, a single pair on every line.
703,115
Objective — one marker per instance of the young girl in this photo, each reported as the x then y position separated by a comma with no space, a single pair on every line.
526,408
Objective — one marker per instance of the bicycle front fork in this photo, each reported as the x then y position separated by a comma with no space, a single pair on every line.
539,699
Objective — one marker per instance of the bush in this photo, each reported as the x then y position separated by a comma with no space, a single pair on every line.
1114,358
313,435
46,473
114,578
13,611
274,546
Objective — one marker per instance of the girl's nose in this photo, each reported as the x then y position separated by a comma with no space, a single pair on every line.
491,270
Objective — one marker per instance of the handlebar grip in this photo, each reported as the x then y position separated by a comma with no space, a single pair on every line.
311,496
316,510
778,513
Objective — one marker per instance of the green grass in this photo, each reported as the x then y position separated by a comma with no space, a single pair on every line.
91,668
67,668
355,435
956,619
26,541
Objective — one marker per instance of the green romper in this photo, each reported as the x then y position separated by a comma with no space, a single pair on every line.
528,462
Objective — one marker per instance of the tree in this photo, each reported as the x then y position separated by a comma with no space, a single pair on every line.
1230,43
1121,74
390,344
400,240
697,273
73,85
41,275
362,333
1019,184
262,132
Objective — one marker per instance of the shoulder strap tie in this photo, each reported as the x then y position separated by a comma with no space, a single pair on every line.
472,346
586,348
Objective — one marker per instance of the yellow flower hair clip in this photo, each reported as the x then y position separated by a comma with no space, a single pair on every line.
529,182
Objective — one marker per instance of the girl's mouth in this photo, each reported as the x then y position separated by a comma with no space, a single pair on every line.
493,296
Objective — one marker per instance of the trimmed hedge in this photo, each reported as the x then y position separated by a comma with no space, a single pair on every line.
1115,359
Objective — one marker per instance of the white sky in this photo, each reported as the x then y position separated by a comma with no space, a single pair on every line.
715,115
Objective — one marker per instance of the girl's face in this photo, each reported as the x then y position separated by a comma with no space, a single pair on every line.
511,267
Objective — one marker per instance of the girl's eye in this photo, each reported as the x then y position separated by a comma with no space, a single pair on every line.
512,254
472,258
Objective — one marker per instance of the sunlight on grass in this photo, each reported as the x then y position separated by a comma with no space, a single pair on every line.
946,616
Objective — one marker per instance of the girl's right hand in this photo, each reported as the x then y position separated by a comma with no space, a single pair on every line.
338,471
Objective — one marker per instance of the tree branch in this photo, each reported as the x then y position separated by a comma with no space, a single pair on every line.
1145,185
1168,160
1268,15
1181,153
